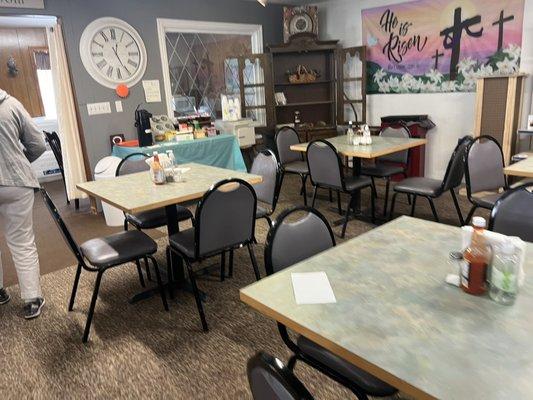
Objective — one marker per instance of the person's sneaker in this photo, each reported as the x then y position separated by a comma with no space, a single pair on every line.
33,308
4,296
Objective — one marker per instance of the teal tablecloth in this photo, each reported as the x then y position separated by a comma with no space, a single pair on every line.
218,151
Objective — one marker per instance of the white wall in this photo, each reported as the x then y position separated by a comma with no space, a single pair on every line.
453,113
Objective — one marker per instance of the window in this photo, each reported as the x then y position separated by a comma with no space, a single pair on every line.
41,58
198,66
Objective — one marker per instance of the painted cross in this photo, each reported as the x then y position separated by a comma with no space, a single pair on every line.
500,23
452,37
436,57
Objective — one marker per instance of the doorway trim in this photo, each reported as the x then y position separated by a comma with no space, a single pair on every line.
166,25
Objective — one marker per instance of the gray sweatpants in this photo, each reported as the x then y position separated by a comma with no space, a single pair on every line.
16,220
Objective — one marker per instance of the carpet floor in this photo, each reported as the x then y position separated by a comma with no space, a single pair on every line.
141,351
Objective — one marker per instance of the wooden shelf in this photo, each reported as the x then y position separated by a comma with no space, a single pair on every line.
306,103
318,82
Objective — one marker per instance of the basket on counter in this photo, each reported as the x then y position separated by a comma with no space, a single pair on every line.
302,75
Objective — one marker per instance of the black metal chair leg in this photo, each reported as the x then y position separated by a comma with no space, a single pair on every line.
269,221
385,206
470,214
457,208
304,189
433,210
373,208
315,190
159,283
126,225
140,272
347,216
231,256
413,205
393,203
374,191
77,204
254,261
196,292
292,362
330,196
92,306
339,206
148,273
74,288
222,266
170,275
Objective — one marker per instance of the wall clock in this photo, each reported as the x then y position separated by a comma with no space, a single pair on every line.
113,52
296,20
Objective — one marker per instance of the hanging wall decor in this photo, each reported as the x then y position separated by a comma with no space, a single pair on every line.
441,46
12,66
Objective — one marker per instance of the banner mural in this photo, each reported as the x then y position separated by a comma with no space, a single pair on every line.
441,45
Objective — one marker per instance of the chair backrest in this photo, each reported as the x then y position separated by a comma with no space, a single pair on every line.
512,214
266,165
285,138
55,145
269,379
456,166
484,166
133,163
289,242
401,156
324,164
225,217
69,239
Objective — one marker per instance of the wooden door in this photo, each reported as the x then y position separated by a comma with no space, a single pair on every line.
23,85
250,76
351,85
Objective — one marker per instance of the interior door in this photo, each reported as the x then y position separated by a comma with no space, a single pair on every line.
351,85
250,76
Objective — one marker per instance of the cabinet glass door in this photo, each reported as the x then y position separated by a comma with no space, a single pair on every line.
351,85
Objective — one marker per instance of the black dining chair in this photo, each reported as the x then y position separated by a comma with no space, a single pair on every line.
292,162
387,166
326,171
100,254
484,173
266,165
434,188
225,221
512,215
269,379
55,145
293,239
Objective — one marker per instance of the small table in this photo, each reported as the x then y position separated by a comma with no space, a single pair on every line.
380,146
136,193
397,319
522,168
217,151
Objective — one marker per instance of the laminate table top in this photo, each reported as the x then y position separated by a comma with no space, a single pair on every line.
396,318
380,146
135,193
522,168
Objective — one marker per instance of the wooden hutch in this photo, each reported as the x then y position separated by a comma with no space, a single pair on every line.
335,97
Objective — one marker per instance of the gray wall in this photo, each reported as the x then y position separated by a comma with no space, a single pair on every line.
142,15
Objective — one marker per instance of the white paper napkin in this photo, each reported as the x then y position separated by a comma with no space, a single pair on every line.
312,288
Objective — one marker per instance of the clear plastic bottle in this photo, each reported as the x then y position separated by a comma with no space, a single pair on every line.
504,274
171,159
350,133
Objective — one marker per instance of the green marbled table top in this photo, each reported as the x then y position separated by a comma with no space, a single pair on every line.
396,318
380,146
136,192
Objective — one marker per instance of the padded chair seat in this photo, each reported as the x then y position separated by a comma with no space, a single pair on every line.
487,201
356,182
261,212
382,170
420,186
118,249
156,218
370,384
183,242
297,167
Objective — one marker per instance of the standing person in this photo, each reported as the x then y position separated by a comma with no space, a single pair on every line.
21,143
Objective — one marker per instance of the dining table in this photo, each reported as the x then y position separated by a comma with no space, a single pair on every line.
397,319
135,193
380,146
523,168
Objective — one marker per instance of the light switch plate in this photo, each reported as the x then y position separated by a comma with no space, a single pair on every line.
99,108
118,106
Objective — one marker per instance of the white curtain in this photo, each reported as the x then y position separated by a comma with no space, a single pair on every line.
66,114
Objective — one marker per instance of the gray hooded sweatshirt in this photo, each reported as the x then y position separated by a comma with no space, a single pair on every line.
21,143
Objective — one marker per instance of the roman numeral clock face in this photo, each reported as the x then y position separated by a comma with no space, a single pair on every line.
113,52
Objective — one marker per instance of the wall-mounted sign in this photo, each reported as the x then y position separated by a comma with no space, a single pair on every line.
441,46
22,4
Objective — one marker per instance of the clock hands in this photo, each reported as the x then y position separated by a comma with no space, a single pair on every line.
115,50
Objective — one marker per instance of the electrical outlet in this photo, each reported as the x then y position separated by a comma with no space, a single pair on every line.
118,106
99,108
